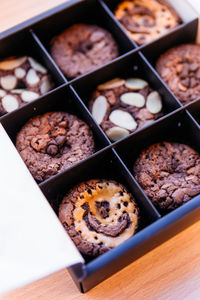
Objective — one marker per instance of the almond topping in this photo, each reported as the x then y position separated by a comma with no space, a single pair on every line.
99,108
116,133
135,84
123,119
154,102
114,83
134,99
9,103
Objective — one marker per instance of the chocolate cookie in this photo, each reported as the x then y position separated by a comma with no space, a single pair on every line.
81,48
22,80
121,106
169,173
180,69
146,20
53,142
98,215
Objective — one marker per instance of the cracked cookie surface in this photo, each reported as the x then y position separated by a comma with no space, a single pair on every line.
146,20
81,48
98,215
121,106
169,173
180,69
22,80
53,142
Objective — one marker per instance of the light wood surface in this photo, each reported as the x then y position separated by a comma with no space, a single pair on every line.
171,271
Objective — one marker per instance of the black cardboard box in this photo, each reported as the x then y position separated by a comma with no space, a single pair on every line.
45,248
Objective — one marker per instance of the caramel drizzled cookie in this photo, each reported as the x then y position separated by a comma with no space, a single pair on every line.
22,80
169,173
98,215
180,69
122,106
53,142
81,48
146,20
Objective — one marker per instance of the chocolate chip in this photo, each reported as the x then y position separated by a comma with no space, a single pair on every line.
52,150
185,82
60,140
185,70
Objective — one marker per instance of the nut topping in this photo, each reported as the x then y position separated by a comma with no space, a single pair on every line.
123,119
20,73
99,108
12,63
52,149
8,82
2,93
28,96
37,66
154,102
116,133
32,78
45,86
114,83
134,99
9,103
135,83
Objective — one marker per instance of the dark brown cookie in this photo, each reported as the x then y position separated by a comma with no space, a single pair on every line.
146,20
180,69
22,80
98,215
81,48
122,106
169,173
53,142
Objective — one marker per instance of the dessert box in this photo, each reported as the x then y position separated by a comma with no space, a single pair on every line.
45,248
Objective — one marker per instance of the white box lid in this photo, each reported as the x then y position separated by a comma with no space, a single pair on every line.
33,243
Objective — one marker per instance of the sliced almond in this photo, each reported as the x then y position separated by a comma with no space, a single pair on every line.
20,73
134,99
99,108
123,119
154,102
9,103
28,96
12,63
116,133
135,84
8,82
37,66
45,86
114,83
2,93
17,91
32,78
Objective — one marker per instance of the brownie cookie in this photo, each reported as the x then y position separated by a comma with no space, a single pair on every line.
81,48
53,142
146,20
121,106
180,69
169,173
98,215
22,80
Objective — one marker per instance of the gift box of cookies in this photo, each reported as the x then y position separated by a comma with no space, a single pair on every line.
100,135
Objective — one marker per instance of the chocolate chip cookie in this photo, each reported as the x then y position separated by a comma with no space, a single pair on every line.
180,69
53,142
169,173
81,48
98,215
146,20
122,106
22,80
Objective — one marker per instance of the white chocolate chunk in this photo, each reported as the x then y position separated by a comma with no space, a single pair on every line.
8,82
2,93
9,103
28,96
134,99
114,83
37,66
45,86
116,133
123,119
32,78
154,102
20,73
135,84
99,108
11,64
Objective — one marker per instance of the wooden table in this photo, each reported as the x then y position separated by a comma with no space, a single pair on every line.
171,271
